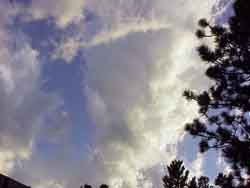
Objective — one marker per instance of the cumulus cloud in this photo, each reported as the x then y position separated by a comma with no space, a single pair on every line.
137,82
139,104
139,61
117,19
139,58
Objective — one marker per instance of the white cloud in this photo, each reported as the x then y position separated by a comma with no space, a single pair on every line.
64,12
135,80
139,60
23,105
139,80
119,19
124,30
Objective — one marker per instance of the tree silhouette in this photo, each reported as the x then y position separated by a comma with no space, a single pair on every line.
87,186
101,186
224,121
203,182
177,176
224,181
104,186
193,183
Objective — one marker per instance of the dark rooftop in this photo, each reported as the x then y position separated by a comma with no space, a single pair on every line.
6,182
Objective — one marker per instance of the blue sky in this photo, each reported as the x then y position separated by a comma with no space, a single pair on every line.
92,90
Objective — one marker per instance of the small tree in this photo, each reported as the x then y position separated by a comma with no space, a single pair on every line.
87,186
104,186
177,176
101,186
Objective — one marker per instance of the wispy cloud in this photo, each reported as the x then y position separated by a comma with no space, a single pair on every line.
69,48
126,29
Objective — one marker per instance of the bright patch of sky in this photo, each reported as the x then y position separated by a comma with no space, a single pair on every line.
91,90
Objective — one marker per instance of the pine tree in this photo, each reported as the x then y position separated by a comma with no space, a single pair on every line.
87,186
225,181
177,176
203,182
104,186
193,183
224,121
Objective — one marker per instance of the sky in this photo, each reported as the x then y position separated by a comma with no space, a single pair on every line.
91,90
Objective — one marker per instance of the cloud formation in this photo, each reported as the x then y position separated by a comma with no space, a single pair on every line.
139,56
24,106
138,108
64,11
134,86
70,47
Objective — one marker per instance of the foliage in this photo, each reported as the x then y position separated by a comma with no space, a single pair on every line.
224,108
178,177
101,186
